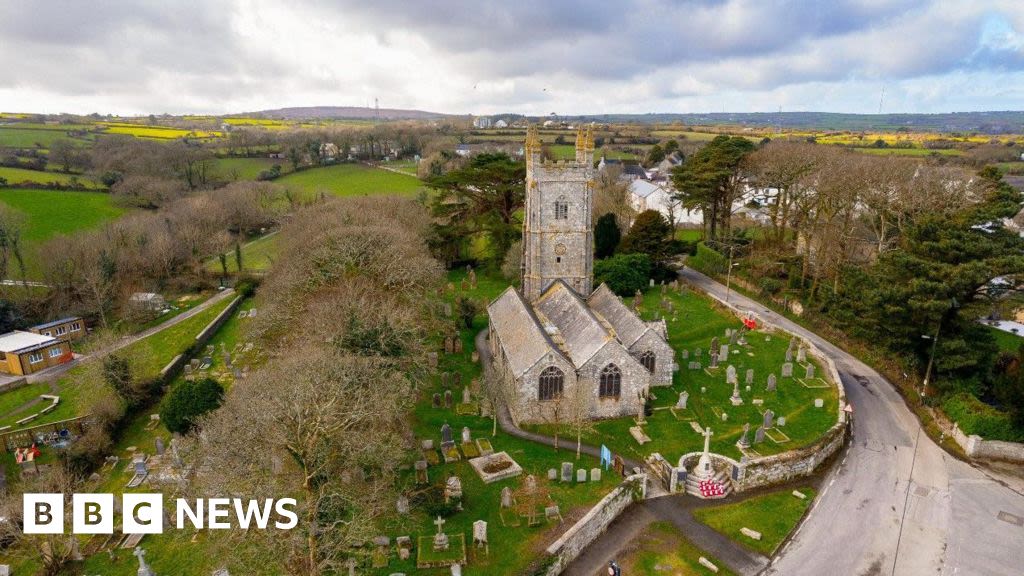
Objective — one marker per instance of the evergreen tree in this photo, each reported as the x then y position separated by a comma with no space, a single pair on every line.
709,180
606,236
649,235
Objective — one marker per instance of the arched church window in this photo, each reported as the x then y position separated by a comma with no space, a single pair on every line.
648,360
611,382
551,381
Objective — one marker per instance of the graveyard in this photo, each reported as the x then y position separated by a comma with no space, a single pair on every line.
694,323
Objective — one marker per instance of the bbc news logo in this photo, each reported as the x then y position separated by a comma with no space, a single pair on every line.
143,513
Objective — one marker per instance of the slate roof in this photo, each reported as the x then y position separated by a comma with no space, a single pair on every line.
582,332
56,322
628,326
519,331
643,188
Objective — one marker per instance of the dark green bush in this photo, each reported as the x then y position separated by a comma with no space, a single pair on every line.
188,401
623,273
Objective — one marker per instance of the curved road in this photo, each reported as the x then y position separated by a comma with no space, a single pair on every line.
895,503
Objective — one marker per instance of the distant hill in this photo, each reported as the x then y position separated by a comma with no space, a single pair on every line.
996,122
345,112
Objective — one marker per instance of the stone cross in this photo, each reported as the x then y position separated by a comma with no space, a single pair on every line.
144,569
439,523
714,345
714,360
745,440
707,440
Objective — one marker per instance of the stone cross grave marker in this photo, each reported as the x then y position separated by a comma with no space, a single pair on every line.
144,569
440,539
745,440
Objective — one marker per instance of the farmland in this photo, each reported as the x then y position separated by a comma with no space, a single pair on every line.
156,132
351,180
16,176
246,168
17,137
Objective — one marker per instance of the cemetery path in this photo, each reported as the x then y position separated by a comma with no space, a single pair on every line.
894,502
52,374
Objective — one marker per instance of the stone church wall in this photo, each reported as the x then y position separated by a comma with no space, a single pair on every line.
664,357
635,378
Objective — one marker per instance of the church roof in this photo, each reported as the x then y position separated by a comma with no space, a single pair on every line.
581,331
519,331
628,326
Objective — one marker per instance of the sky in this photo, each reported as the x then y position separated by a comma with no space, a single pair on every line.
525,56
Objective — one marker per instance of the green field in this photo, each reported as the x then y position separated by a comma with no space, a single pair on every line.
568,152
351,180
909,151
246,168
16,176
1007,342
774,515
51,212
257,255
661,549
16,137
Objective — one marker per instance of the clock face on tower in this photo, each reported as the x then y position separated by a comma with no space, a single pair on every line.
560,249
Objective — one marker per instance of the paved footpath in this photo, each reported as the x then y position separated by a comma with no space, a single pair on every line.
895,503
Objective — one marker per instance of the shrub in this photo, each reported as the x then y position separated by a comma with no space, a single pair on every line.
976,417
623,273
770,286
708,261
188,401
649,235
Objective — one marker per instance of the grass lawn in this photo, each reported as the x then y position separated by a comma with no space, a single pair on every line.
12,401
689,234
568,152
698,321
52,212
1006,341
351,180
246,168
661,549
773,515
148,356
16,176
18,137
257,255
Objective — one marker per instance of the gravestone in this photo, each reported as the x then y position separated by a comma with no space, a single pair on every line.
681,403
810,372
436,401
453,489
458,345
466,435
801,354
730,375
714,348
789,355
447,398
432,359
759,435
480,533
725,417
819,403
421,472
697,353
581,475
144,569
227,359
567,471
446,436
787,370
530,483
449,344
733,335
745,440
427,444
506,497
457,379
714,360
685,354
440,539
446,379
595,474
736,399
780,421
749,377
402,505
552,474
160,446
769,419
466,398
771,382
723,351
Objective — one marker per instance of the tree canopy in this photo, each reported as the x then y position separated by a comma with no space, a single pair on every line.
709,180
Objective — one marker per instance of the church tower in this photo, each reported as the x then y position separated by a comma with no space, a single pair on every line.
558,239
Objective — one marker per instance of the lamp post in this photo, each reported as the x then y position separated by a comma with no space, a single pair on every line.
728,275
953,304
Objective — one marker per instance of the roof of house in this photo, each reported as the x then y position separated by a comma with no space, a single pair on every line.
643,188
581,330
46,325
628,326
21,341
631,169
519,331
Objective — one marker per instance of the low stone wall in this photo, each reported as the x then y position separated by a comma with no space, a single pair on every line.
217,322
174,366
593,524
13,385
977,447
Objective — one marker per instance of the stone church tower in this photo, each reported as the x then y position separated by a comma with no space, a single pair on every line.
558,238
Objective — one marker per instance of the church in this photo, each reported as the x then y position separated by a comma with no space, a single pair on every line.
558,344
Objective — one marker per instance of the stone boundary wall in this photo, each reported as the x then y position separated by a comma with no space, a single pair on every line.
801,461
175,365
13,385
977,447
594,523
